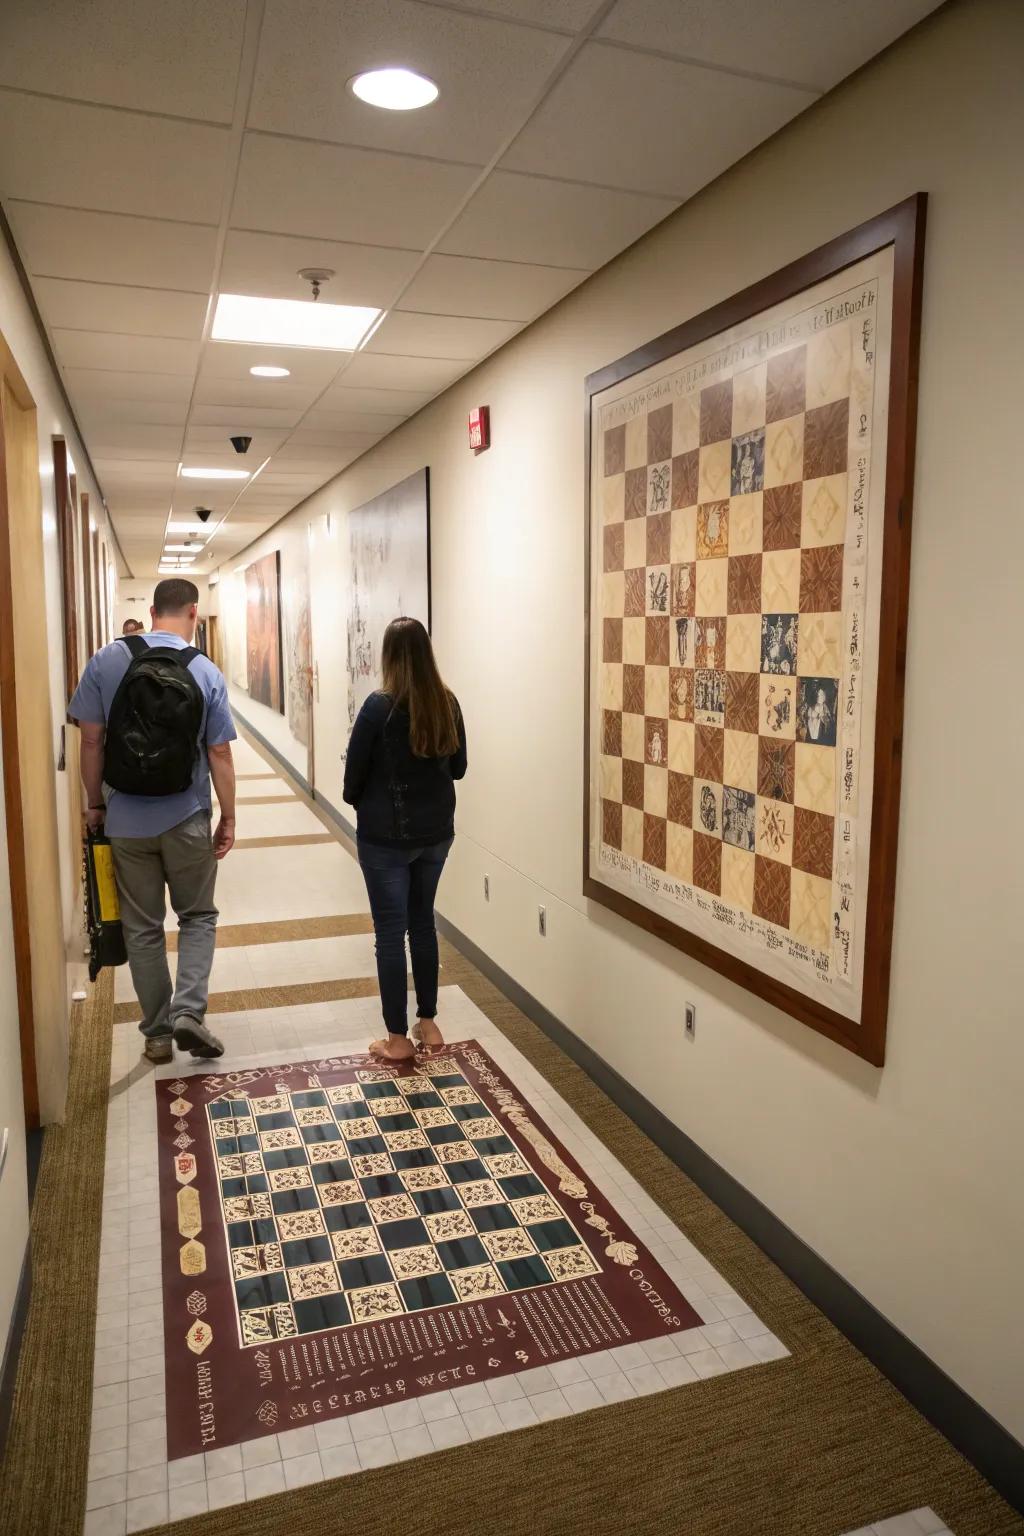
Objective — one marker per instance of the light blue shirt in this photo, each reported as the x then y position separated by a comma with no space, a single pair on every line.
149,815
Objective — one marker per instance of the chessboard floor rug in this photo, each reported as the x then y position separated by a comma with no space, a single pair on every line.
815,1443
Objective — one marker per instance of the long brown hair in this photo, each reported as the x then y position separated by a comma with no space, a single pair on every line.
413,683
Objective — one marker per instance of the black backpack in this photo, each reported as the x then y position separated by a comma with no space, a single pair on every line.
152,740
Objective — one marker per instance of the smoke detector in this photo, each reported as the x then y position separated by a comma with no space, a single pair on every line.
316,276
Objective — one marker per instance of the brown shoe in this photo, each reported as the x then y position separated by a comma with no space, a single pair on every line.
158,1048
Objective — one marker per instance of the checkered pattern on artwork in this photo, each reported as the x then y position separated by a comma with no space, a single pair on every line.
368,1200
723,526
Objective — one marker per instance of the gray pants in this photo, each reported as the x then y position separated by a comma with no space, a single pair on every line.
182,860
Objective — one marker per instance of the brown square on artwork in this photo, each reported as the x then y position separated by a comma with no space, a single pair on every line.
611,649
634,603
659,435
614,546
825,433
707,863
632,690
655,837
657,642
656,742
685,476
776,769
771,891
709,753
680,798
615,453
744,594
781,517
636,492
659,538
611,823
813,837
632,784
786,389
715,413
821,579
611,744
742,701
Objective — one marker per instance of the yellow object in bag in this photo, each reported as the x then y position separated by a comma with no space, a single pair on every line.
102,908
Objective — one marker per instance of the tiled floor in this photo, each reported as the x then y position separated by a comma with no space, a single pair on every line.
920,1522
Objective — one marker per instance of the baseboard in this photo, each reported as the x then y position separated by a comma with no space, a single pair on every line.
12,1349
289,768
964,1422
344,825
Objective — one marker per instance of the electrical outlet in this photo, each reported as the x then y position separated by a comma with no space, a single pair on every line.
691,1022
487,887
542,922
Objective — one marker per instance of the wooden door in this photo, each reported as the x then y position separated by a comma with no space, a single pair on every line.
86,539
29,777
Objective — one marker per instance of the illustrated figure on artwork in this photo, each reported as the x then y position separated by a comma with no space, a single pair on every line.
747,470
682,586
659,591
708,809
660,480
657,748
738,819
714,523
776,710
819,717
778,643
683,641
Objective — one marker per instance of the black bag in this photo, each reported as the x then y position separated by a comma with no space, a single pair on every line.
152,740
102,908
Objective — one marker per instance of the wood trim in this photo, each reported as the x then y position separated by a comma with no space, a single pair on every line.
65,499
903,228
90,641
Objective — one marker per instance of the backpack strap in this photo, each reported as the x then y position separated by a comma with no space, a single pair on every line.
188,655
135,644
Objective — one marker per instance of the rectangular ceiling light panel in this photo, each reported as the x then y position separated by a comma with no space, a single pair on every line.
291,322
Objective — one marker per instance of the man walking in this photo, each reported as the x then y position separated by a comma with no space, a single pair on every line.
156,725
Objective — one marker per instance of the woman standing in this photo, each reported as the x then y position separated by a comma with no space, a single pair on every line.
408,746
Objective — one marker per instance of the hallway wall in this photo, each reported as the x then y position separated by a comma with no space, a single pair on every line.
134,599
905,1180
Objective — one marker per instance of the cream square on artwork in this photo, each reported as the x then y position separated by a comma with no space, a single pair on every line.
828,366
636,543
773,829
679,853
632,832
685,424
816,778
819,645
748,397
634,642
656,692
613,594
784,451
743,643
738,877
611,778
683,545
655,791
636,441
746,524
780,581
611,685
715,476
633,745
613,498
823,512
680,746
810,909
740,771
712,587
778,707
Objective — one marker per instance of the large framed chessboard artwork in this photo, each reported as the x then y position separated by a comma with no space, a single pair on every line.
748,540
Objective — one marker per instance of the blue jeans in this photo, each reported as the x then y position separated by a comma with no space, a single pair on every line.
401,884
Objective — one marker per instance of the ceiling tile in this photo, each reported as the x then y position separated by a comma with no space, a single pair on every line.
92,411
133,440
589,128
101,247
377,371
175,56
489,74
96,157
566,15
141,472
227,416
241,394
415,335
268,265
106,307
343,397
556,223
788,39
351,421
345,194
142,354
307,365
500,290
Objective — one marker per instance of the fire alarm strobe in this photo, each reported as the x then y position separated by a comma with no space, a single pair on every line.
480,428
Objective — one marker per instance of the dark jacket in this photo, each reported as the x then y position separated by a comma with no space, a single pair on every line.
401,801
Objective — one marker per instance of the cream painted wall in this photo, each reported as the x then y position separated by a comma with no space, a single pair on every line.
906,1180
13,1178
134,599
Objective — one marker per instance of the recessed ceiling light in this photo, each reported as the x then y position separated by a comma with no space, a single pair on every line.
396,90
193,549
215,474
291,322
266,371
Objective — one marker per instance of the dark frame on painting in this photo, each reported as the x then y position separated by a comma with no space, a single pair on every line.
901,227
276,700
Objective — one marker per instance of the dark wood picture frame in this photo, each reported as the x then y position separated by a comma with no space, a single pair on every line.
67,512
901,227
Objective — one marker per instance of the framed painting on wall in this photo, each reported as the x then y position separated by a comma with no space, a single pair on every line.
749,479
263,631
